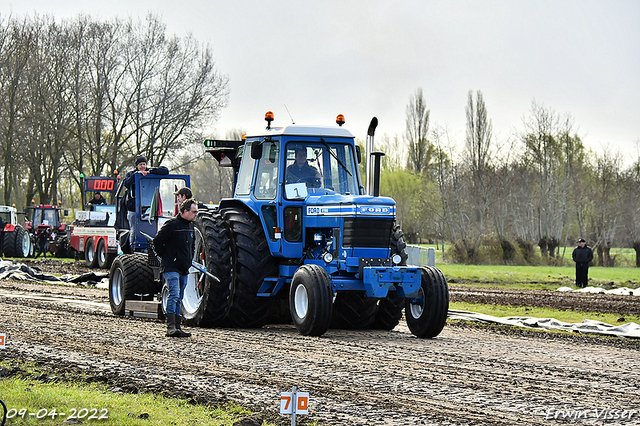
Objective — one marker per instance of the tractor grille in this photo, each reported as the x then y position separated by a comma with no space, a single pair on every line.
367,232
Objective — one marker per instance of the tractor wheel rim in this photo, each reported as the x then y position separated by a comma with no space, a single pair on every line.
117,290
418,308
26,245
301,301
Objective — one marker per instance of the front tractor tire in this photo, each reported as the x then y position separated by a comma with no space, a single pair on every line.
130,278
427,313
311,300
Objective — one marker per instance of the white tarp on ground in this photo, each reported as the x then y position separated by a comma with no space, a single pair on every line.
586,326
625,291
22,272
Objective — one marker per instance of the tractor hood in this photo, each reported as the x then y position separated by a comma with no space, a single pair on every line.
333,205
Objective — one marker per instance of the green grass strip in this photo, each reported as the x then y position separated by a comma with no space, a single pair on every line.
49,400
538,277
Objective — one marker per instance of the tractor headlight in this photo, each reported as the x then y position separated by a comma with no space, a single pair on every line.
327,257
396,259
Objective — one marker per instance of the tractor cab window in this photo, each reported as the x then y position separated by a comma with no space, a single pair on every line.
319,167
245,174
45,217
6,217
267,177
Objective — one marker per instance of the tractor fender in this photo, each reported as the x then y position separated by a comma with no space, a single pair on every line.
249,206
9,227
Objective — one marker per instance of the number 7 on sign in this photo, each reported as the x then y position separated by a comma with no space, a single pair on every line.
286,405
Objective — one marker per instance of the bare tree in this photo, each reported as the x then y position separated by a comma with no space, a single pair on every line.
607,197
420,149
543,144
17,44
631,206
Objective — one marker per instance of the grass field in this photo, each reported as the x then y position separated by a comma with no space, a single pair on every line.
538,277
94,404
623,257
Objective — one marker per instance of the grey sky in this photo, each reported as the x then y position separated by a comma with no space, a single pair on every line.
366,58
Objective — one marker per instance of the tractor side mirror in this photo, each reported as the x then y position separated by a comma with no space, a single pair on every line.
358,154
66,212
256,150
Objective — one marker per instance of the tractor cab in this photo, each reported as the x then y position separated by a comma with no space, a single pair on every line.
155,202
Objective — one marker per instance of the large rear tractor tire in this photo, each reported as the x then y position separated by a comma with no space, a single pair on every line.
90,258
427,314
104,258
130,278
390,308
251,263
16,243
353,310
206,301
310,300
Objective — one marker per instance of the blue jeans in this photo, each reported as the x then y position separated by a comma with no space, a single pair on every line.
176,283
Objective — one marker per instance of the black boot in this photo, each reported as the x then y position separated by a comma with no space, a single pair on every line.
182,333
172,331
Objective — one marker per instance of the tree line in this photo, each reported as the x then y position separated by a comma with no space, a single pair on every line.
83,96
541,187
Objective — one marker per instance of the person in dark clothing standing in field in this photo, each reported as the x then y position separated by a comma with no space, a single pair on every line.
582,255
175,243
42,238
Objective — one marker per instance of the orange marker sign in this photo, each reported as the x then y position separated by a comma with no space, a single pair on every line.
301,404
3,337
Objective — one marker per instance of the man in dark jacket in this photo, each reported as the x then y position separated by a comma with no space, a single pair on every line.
582,255
42,238
97,199
174,243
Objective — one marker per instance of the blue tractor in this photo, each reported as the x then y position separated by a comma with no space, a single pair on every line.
302,239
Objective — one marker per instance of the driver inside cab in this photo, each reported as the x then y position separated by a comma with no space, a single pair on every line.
301,171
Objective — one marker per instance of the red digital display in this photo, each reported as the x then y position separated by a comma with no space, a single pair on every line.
101,184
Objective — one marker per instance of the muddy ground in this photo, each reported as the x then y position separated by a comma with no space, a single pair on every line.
468,375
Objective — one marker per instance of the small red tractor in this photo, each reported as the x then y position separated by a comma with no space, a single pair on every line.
42,217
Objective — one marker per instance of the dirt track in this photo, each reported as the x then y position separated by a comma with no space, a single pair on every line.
468,375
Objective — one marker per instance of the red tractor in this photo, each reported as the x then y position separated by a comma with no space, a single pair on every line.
42,218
